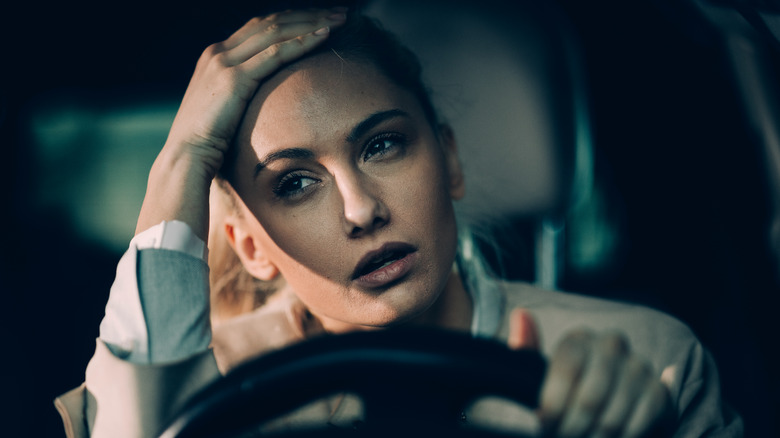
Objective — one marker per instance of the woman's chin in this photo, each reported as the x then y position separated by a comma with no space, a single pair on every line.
381,314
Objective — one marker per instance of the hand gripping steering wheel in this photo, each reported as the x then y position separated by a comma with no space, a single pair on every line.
412,382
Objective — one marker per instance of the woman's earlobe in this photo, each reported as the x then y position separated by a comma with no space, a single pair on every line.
254,259
452,161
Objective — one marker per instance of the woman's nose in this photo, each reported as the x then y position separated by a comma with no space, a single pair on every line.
364,210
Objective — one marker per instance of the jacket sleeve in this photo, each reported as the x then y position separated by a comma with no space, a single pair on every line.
158,308
700,409
144,368
123,399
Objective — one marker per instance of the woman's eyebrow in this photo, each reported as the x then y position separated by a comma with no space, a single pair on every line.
374,119
357,132
290,153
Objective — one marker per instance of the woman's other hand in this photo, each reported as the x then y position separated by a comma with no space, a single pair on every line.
595,386
225,79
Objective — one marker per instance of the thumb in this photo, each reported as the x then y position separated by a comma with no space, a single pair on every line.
522,330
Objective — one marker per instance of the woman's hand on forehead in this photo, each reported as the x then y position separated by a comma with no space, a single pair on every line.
225,79
228,73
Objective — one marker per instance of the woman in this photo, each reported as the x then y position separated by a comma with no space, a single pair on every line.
339,182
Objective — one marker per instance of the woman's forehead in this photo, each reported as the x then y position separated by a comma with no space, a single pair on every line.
320,97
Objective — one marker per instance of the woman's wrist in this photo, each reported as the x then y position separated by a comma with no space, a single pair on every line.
178,187
197,159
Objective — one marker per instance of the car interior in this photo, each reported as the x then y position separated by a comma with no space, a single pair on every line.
626,150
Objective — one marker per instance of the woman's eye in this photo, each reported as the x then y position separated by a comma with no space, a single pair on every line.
292,185
381,145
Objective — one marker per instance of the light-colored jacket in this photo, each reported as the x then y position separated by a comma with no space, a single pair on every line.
119,398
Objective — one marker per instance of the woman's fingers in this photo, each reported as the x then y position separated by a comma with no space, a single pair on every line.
522,331
256,24
634,376
265,62
563,375
264,31
302,36
650,411
228,73
596,385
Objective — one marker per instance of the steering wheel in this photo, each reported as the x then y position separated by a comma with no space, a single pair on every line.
410,381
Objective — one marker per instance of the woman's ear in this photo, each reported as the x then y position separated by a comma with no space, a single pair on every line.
249,250
452,161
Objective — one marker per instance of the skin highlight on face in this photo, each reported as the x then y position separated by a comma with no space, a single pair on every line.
340,175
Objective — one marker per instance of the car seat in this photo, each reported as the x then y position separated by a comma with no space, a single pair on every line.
507,77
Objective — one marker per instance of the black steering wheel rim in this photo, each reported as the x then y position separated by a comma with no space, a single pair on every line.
407,378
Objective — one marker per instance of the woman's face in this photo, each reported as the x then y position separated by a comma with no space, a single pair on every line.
347,191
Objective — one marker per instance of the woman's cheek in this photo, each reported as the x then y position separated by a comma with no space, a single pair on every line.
311,236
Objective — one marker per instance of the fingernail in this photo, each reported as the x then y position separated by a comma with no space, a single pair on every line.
337,17
322,31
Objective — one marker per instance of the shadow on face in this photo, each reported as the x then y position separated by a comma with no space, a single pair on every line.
340,172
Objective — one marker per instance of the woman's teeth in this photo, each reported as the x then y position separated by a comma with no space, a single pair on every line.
386,263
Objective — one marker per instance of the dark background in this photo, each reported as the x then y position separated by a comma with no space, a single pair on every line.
671,147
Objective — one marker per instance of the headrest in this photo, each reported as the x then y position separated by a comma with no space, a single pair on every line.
503,77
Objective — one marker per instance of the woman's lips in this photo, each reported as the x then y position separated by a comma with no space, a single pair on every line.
393,261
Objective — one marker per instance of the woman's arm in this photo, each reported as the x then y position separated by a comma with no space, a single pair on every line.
225,78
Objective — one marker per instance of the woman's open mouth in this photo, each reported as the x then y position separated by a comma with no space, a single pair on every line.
386,265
